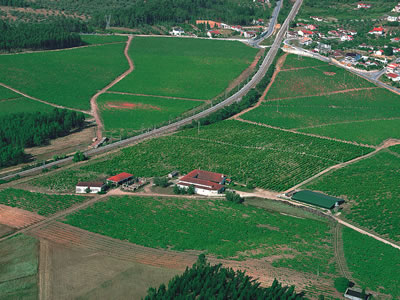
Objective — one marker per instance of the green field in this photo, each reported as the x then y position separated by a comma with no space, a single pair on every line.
39,203
6,94
374,264
217,227
19,268
67,77
314,81
189,68
368,132
140,112
22,105
395,149
102,39
371,188
270,159
295,61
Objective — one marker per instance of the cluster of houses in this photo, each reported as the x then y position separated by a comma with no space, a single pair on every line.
237,28
361,5
100,186
393,72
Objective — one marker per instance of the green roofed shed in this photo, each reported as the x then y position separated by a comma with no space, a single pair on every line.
317,199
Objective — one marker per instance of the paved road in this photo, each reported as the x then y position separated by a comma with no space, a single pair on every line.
266,34
175,126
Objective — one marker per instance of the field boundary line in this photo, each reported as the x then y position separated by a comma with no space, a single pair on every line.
301,68
385,145
346,122
44,269
304,133
339,253
279,64
93,100
325,94
156,96
42,101
64,49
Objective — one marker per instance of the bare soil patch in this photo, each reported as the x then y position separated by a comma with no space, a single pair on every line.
330,73
127,105
17,218
4,230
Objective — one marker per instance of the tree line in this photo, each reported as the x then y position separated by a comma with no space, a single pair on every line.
203,281
22,130
62,33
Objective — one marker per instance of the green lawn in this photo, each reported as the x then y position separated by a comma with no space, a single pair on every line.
93,39
217,227
314,81
295,61
189,68
140,112
39,203
371,187
18,268
268,158
67,77
368,132
375,265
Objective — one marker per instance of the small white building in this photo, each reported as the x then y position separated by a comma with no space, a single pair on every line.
176,31
89,187
356,294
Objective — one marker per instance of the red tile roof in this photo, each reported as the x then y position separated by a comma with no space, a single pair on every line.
392,75
120,177
203,179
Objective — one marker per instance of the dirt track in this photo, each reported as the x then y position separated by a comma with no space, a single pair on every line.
93,100
156,96
42,101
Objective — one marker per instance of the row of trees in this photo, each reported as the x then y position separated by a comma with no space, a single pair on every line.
203,281
22,130
59,34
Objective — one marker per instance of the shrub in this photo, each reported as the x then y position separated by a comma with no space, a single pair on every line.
341,284
161,181
233,197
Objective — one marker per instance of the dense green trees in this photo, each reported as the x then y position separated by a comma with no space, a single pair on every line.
50,35
203,281
22,130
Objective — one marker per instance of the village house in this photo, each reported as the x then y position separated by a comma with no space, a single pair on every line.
318,19
305,33
346,37
394,77
356,294
363,5
396,8
213,33
395,40
392,18
176,31
204,182
379,52
396,50
377,31
306,41
311,27
120,179
89,187
393,68
249,34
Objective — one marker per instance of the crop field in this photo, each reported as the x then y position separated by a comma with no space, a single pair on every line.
395,149
101,39
374,264
6,94
336,115
368,132
189,68
140,112
371,190
314,81
22,105
68,77
270,159
42,204
295,61
18,268
218,227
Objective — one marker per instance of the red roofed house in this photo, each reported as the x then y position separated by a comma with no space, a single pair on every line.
377,31
204,182
120,178
311,27
396,50
363,5
306,33
212,33
393,77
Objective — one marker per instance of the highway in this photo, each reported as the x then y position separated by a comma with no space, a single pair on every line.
269,58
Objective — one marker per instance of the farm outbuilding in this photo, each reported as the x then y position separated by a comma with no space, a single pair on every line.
91,187
120,178
317,199
205,183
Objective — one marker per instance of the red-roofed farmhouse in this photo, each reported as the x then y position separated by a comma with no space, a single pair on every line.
204,182
120,178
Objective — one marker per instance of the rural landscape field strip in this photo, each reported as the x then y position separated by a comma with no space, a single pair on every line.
376,271
155,96
17,218
370,205
158,215
93,101
177,67
22,105
71,77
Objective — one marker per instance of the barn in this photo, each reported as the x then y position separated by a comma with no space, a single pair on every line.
205,183
317,199
119,178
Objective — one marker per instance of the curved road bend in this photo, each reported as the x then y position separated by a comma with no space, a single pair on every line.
175,126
